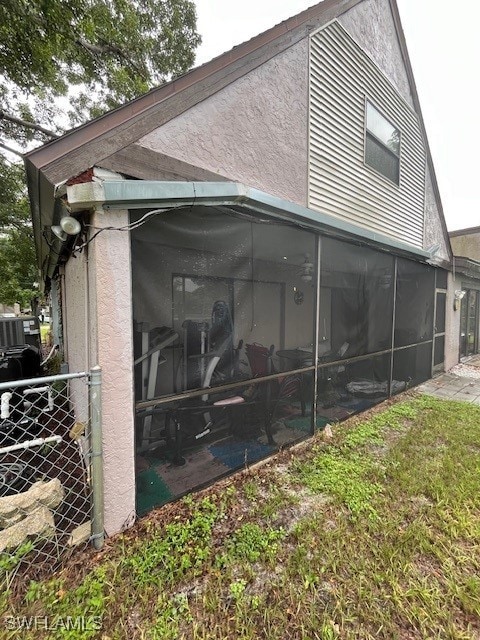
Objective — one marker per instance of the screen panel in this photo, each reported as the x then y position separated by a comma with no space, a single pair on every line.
347,388
209,288
411,366
356,300
414,303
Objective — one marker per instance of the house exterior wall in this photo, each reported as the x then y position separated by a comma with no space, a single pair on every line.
343,78
75,323
253,131
371,24
112,349
434,235
467,246
452,323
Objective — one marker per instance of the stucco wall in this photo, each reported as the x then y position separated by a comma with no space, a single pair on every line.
371,24
75,328
467,246
111,312
433,231
252,131
452,323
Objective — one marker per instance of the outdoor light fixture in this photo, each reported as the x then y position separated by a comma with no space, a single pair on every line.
459,294
68,226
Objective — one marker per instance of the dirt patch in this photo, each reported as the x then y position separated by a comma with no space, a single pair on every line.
308,505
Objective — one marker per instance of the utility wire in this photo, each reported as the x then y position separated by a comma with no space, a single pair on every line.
127,227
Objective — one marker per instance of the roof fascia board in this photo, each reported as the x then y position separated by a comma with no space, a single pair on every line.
34,197
166,195
464,232
135,119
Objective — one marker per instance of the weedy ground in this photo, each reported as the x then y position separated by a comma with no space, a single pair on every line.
374,533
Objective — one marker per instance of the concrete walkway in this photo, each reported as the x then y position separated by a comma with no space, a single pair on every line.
462,382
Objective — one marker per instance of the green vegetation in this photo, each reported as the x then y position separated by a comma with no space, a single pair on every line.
251,542
373,534
63,62
17,251
44,333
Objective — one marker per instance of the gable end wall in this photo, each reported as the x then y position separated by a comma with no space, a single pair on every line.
253,131
372,26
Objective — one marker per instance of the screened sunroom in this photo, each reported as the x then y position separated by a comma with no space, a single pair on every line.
256,322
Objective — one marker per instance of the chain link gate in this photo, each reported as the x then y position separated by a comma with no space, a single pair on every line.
51,476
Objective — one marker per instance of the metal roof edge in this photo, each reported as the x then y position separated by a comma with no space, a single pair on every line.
145,194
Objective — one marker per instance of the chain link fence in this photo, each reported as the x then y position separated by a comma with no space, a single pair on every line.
50,472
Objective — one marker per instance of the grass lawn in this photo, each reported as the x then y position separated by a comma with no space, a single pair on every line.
44,331
374,533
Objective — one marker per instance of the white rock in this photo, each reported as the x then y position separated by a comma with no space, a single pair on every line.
39,523
14,508
327,432
80,534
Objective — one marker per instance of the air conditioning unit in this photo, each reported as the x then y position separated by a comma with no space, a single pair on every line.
21,330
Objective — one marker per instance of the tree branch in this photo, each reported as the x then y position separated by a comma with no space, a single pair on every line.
91,48
27,125
98,50
7,148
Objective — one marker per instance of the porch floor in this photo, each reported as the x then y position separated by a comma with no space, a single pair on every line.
461,383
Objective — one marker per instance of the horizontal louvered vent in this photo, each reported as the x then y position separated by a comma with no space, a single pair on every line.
342,78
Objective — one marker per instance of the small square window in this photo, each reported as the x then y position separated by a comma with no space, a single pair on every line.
382,145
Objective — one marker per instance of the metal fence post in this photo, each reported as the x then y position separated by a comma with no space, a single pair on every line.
96,464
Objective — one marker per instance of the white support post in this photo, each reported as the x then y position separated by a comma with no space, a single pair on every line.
111,319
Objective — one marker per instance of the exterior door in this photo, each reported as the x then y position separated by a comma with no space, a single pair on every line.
469,323
439,331
472,322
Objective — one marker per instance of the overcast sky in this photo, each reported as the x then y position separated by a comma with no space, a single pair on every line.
444,48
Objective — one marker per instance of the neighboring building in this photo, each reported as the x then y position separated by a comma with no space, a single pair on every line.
466,243
466,268
269,225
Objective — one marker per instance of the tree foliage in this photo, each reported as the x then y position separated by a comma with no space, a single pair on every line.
14,211
63,62
99,53
18,267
